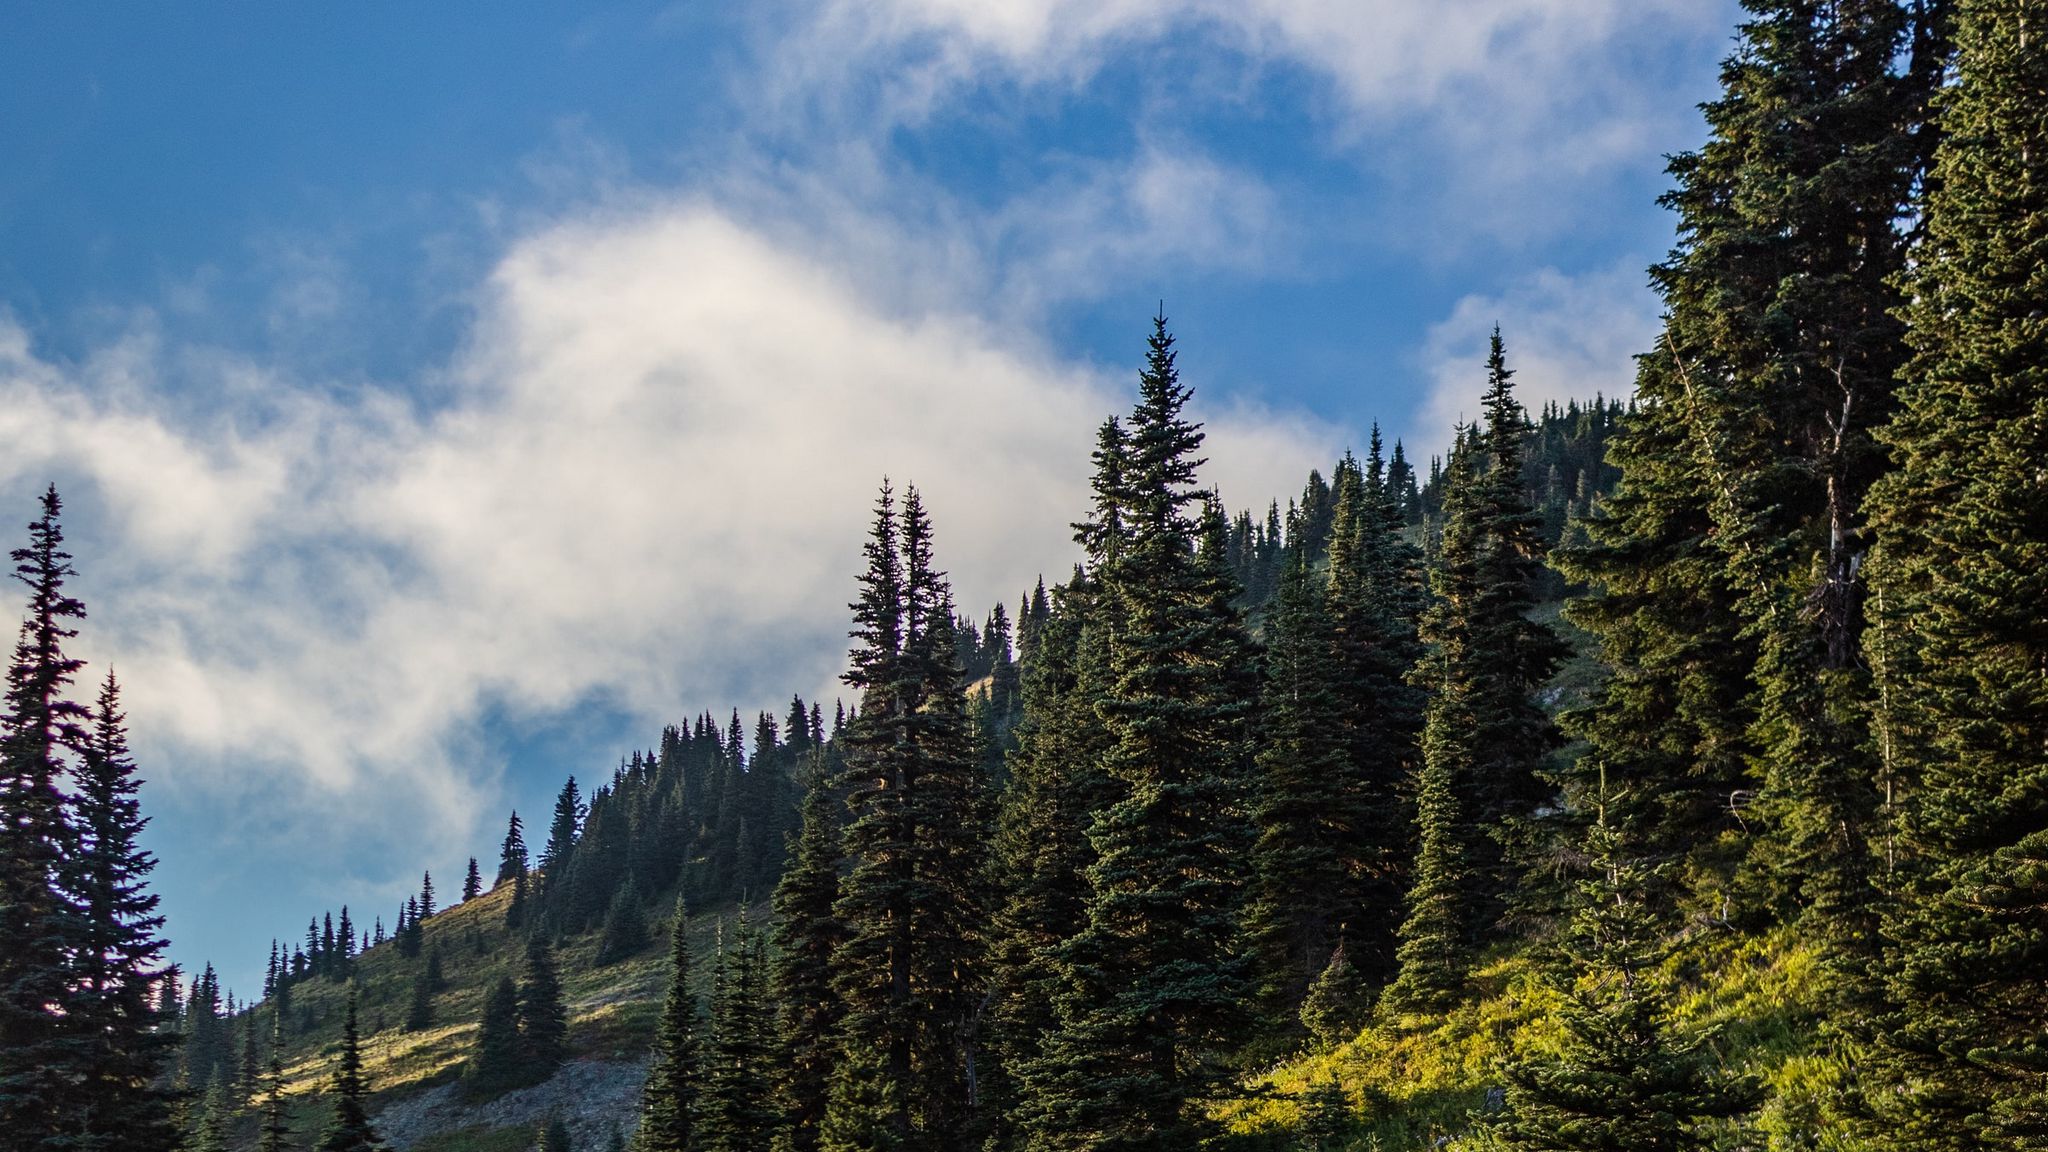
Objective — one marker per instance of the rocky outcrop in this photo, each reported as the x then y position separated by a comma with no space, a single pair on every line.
591,1096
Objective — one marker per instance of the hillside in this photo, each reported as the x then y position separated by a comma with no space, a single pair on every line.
415,1076
1409,1083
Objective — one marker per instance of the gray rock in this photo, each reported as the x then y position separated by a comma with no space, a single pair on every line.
590,1096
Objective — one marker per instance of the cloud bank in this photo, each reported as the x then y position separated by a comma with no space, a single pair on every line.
646,485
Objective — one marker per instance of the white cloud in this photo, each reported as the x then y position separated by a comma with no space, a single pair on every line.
1513,102
1567,338
649,486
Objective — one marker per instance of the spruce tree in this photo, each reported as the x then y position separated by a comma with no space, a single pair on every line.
807,932
1154,983
1338,1001
419,1012
1485,735
1308,804
908,970
512,857
350,1130
1731,555
543,1023
737,1112
472,882
212,1122
1434,952
500,1060
40,1064
562,834
1959,580
274,1134
426,897
669,1102
1375,598
1622,1078
127,1105
1042,852
625,926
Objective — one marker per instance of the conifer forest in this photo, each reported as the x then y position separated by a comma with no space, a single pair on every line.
1628,775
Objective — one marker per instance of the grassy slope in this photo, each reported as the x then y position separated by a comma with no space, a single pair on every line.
612,1011
1408,1084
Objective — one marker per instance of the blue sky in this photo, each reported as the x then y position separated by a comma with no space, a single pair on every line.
446,396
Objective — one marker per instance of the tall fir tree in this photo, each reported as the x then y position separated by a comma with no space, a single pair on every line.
669,1103
274,1132
737,1105
40,1059
1960,579
909,969
127,1105
1042,852
499,1061
512,857
1730,558
806,935
1155,985
1488,642
1374,598
562,834
350,1130
1309,806
472,882
543,1021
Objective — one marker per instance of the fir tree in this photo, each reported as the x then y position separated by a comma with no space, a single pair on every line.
1374,597
1338,1001
669,1102
1730,556
736,1105
248,1075
562,834
274,1133
807,933
350,1130
419,1011
1960,578
1308,804
115,971
211,1124
1154,983
1485,735
908,968
625,927
1042,851
1622,1078
543,1023
426,906
499,1062
512,858
39,1064
472,882
1433,953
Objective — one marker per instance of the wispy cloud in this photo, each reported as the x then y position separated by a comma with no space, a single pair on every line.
1503,106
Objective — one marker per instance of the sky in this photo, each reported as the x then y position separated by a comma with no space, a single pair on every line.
445,397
